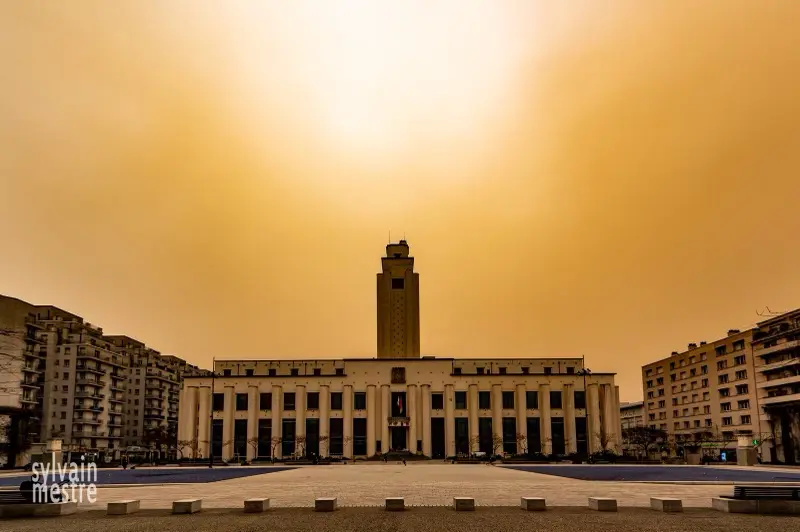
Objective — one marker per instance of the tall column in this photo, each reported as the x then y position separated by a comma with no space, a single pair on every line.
191,414
545,428
608,416
569,419
203,420
227,424
425,426
617,422
347,406
324,419
472,404
593,417
411,399
449,420
371,417
252,421
183,416
384,419
497,415
300,418
277,418
522,419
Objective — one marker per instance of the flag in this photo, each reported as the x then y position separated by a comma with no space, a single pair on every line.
400,404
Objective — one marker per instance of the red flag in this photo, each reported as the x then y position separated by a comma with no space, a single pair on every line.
400,403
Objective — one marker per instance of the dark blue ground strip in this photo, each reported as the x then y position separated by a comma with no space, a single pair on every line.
660,473
163,476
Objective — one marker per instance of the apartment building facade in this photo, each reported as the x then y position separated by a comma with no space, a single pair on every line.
706,392
81,385
631,415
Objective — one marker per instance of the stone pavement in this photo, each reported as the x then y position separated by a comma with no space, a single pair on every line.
422,484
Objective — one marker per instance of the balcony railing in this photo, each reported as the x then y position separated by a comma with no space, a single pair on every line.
792,379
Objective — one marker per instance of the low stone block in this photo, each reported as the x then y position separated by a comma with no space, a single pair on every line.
602,504
325,504
122,507
734,506
463,504
778,507
38,510
663,504
255,506
187,506
533,504
395,504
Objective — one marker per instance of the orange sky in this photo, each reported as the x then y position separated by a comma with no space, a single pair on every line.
612,179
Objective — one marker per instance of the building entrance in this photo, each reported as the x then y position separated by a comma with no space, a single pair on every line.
398,438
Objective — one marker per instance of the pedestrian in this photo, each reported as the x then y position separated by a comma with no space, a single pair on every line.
404,461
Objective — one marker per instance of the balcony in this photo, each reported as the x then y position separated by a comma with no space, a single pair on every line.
780,399
793,379
115,423
90,369
778,365
158,417
30,368
89,395
153,396
173,399
399,421
90,382
83,421
114,399
29,383
28,400
115,388
764,351
88,434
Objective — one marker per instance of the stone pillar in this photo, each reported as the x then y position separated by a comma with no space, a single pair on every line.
617,422
324,419
347,406
252,421
227,423
472,405
608,416
411,399
204,421
277,417
425,425
497,414
449,420
593,417
545,428
372,413
384,419
569,419
191,415
520,403
300,418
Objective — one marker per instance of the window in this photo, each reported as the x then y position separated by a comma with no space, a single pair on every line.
675,413
648,372
704,369
723,379
66,375
724,392
707,409
63,415
525,370
691,360
650,394
294,372
555,399
317,372
398,284
738,345
312,400
721,350
708,422
265,401
226,373
508,400
241,401
479,371
741,374
672,365
686,424
672,378
248,372
702,356
580,399
662,404
660,381
652,417
272,372
457,371
548,371
697,423
745,420
693,372
704,383
739,360
437,401
288,400
725,407
677,425
674,401
661,392
744,404
218,402
360,400
742,389
727,420
502,371
336,400
461,400
532,400
571,371
484,400
340,371
706,396
683,375
722,364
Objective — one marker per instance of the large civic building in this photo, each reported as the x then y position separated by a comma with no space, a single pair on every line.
400,401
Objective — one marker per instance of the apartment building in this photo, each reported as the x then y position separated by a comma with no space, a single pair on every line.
632,415
776,348
82,386
709,390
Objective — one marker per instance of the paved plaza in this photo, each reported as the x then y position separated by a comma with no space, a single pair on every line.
422,484
665,473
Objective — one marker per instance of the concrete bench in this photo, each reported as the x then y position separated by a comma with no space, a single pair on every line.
602,504
325,504
38,510
187,506
255,506
395,504
463,504
532,504
122,507
663,504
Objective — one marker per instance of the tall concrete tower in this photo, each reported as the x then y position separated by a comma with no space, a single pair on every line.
398,304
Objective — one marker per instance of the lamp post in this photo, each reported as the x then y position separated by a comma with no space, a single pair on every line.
211,418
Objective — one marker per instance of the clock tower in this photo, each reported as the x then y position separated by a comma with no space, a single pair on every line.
398,304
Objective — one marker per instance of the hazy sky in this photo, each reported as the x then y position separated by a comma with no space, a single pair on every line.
614,179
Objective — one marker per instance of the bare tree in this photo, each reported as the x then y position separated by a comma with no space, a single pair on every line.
346,440
253,442
497,443
474,443
323,444
300,445
273,443
522,442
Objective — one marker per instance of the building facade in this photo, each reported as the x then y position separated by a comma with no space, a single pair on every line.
95,392
398,401
632,415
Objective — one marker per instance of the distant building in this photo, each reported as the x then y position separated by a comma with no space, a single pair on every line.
97,393
398,401
632,415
